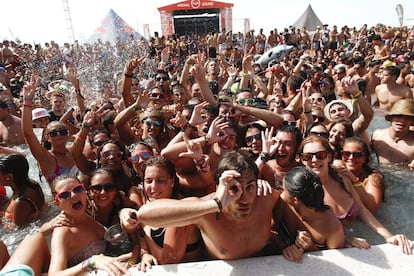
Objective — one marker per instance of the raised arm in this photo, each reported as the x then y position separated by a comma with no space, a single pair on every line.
40,153
127,80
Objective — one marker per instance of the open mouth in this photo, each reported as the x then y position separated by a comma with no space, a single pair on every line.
77,205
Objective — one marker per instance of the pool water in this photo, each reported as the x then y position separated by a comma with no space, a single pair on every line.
395,213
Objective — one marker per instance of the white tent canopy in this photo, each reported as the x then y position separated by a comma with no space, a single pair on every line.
308,19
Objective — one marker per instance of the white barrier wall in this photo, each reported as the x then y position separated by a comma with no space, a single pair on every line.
384,259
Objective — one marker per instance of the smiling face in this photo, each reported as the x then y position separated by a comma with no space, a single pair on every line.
337,135
103,190
286,148
111,157
354,156
158,183
227,144
316,163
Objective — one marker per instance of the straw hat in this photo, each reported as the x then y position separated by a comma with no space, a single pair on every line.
330,104
401,107
38,113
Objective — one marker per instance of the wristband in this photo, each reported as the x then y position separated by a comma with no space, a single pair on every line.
245,74
220,206
85,125
264,156
307,112
28,104
356,96
128,75
358,184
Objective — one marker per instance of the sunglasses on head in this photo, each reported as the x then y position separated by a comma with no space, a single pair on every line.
320,134
249,139
56,132
67,194
157,95
321,155
356,154
143,155
114,153
161,78
289,123
151,123
318,118
107,187
244,101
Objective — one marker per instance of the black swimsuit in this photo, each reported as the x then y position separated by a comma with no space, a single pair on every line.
157,236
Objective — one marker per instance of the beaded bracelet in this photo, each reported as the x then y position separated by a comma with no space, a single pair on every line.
128,76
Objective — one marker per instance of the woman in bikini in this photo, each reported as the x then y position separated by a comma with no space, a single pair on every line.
74,249
57,160
310,224
316,154
368,182
27,200
172,244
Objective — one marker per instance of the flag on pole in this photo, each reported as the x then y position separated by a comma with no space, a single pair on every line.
400,13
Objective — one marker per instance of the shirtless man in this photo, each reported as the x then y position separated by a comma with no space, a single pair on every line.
406,77
282,151
260,42
10,127
234,222
371,79
382,51
395,144
317,39
389,91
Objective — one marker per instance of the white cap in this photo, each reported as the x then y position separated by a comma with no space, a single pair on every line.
38,113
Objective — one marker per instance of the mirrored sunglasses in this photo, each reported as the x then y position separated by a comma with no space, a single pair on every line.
153,123
143,155
248,101
67,194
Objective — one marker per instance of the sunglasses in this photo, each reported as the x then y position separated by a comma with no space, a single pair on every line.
143,155
67,194
318,118
107,187
321,155
318,99
289,123
114,153
244,101
162,78
60,131
324,83
249,139
157,95
356,154
151,123
320,134
98,143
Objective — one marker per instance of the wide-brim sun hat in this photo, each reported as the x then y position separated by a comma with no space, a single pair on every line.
401,107
330,104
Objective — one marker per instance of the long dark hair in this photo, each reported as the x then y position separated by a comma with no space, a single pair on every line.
304,184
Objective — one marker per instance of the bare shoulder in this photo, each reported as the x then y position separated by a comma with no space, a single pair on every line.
378,134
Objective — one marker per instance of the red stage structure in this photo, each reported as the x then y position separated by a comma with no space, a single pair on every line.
195,16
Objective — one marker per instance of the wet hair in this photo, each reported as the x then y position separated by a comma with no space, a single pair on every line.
304,184
18,166
162,162
234,160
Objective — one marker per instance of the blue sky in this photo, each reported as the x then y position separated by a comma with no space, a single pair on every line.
44,20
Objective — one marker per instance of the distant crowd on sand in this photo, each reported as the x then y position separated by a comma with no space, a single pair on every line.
186,148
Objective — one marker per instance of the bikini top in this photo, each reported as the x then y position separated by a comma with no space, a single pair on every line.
158,235
61,170
351,214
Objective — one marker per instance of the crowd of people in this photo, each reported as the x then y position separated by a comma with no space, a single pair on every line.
198,151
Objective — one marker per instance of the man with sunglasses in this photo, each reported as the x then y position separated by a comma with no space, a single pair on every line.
162,79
